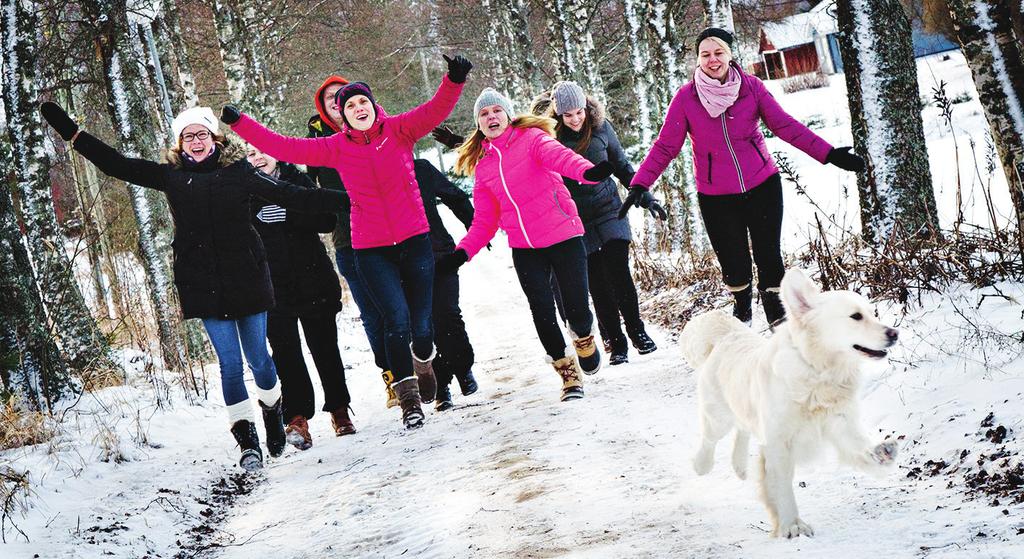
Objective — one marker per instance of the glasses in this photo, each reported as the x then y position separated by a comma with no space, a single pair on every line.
201,135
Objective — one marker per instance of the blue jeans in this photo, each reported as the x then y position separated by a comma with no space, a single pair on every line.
225,336
373,321
400,281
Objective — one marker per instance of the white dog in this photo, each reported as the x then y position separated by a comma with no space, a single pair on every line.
792,391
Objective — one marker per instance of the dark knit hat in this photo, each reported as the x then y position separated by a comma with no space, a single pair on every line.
350,91
713,32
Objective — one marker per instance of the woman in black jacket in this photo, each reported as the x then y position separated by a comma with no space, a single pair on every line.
220,267
306,290
582,127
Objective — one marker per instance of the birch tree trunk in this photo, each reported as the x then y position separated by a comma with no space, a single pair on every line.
244,52
993,50
31,368
86,348
124,83
718,13
174,59
528,82
885,111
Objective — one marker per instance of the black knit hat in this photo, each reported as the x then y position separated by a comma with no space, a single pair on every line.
713,32
351,90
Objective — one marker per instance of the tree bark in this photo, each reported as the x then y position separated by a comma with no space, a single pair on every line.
885,111
86,348
985,31
718,13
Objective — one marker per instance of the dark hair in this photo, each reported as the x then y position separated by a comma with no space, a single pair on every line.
586,132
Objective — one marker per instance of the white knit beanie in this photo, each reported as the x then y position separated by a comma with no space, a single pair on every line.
195,115
490,96
568,96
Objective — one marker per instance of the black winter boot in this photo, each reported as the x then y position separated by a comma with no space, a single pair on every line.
642,342
618,350
443,400
273,422
245,435
773,309
741,306
588,354
467,384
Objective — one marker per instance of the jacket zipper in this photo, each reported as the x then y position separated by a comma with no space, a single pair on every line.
709,168
753,143
519,215
739,173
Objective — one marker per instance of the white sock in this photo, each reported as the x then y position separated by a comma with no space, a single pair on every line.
269,396
239,411
433,353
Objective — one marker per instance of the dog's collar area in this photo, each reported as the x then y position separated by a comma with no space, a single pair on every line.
876,353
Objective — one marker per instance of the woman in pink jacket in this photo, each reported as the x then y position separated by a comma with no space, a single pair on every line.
738,186
519,167
373,155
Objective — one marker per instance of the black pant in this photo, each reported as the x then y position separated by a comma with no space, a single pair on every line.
321,335
567,260
454,352
728,220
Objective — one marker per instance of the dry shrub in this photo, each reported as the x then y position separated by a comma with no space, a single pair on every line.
803,82
15,492
21,428
98,379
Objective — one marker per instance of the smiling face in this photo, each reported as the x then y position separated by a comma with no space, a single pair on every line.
492,121
197,141
574,119
359,112
713,58
260,160
330,107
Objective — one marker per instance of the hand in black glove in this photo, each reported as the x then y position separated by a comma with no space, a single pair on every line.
642,198
458,67
598,172
230,114
842,158
59,120
450,263
447,138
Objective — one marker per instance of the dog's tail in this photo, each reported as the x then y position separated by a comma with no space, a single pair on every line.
701,333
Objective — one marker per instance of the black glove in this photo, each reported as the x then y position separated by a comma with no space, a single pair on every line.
842,158
450,263
447,138
642,198
59,120
458,67
599,172
230,114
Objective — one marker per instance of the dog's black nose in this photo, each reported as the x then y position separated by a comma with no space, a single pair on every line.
892,334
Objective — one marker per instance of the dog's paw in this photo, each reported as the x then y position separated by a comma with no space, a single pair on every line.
703,462
793,529
885,453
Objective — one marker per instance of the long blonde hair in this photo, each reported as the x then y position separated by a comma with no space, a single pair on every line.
472,150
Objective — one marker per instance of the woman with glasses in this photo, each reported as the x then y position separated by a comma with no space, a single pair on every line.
220,265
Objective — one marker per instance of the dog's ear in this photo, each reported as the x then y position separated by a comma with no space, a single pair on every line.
798,293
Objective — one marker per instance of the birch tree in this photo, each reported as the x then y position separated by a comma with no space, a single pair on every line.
125,86
78,335
244,52
718,13
885,111
985,31
569,26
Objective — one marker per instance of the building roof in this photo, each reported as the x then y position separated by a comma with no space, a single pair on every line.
799,29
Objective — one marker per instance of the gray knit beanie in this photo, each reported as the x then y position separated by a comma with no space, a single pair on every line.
568,96
490,96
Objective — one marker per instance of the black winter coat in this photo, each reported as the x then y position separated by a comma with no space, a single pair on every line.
220,265
328,177
598,205
434,187
304,279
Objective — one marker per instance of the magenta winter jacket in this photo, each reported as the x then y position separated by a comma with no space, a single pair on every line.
376,166
729,152
519,188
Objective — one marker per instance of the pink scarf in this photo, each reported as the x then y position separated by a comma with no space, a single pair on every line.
714,95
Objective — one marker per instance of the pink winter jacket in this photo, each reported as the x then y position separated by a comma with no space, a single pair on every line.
519,188
729,152
376,166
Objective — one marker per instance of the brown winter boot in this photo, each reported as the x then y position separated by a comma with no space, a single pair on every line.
341,422
388,379
408,393
588,354
572,381
424,371
297,433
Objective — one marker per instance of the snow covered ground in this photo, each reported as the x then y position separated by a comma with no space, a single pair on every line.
513,472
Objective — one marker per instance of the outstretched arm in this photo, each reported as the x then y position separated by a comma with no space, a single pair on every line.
786,127
485,221
450,195
553,156
319,152
310,200
666,147
420,121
